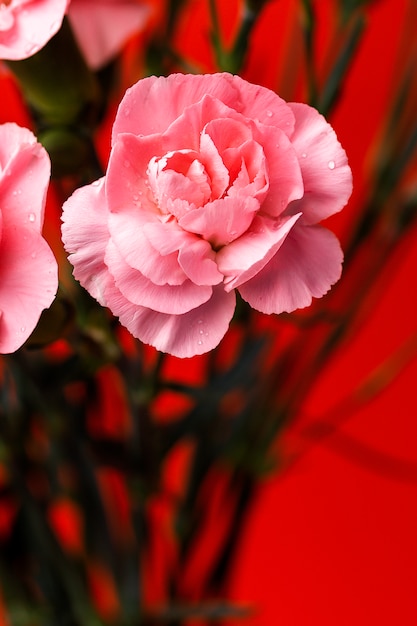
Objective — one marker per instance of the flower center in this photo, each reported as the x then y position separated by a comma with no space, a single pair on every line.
179,182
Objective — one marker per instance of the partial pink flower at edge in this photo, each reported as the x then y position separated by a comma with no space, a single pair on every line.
102,27
213,184
28,269
27,25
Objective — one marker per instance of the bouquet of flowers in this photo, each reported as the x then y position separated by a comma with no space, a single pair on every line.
177,280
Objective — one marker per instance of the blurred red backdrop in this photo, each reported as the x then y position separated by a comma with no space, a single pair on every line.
332,540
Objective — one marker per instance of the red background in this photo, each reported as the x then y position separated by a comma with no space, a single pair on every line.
332,540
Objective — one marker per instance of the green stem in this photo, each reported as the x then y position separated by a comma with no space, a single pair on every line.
309,34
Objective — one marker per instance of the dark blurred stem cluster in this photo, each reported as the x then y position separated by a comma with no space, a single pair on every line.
50,449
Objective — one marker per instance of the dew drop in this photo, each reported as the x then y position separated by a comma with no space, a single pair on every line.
96,183
201,332
22,329
304,155
126,112
33,255
31,217
331,165
126,163
200,343
199,321
269,113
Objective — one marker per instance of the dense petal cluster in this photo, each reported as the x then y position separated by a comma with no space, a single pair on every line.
213,185
27,25
28,269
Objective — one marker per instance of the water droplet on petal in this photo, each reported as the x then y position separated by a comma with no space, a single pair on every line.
126,163
304,155
22,329
96,183
331,165
201,332
33,255
269,113
199,321
31,217
200,343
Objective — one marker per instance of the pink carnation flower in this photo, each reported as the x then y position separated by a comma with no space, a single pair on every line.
213,185
102,27
27,25
28,270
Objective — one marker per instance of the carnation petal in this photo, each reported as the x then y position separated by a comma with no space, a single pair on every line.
25,164
284,172
245,257
326,174
126,177
197,259
188,126
84,213
29,281
221,221
196,332
101,28
262,104
176,92
143,245
30,25
175,299
214,165
307,265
